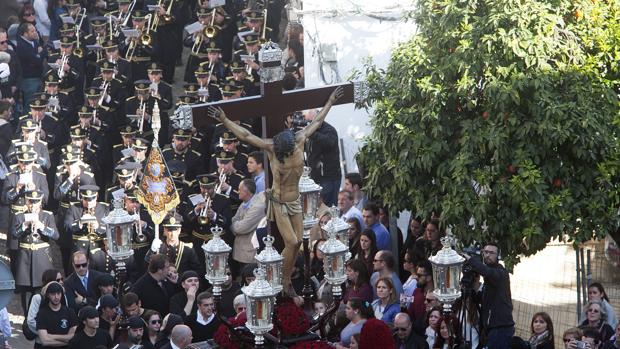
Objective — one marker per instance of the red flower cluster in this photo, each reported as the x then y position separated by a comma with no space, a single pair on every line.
291,320
222,335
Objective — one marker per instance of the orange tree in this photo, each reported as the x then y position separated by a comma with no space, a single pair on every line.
503,115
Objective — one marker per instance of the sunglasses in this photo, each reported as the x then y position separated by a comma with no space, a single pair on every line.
83,265
26,14
60,279
400,329
4,42
155,322
593,311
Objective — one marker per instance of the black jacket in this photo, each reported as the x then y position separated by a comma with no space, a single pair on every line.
414,341
496,297
324,154
30,58
73,284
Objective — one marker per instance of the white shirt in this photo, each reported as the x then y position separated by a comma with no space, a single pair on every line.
201,320
174,346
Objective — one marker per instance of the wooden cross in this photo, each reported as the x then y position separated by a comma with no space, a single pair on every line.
273,105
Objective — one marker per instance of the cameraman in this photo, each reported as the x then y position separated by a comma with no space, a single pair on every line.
324,159
496,299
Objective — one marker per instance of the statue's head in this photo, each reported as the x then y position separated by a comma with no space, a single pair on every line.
284,144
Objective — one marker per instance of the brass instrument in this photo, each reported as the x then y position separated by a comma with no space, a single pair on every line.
211,30
222,179
123,19
142,108
167,17
263,34
203,218
140,237
131,49
78,50
89,219
104,88
61,67
145,39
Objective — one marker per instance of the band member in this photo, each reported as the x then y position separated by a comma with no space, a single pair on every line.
126,175
86,149
140,49
29,137
33,228
239,75
83,220
112,91
208,90
162,93
231,178
139,107
123,67
179,150
228,143
70,70
143,232
249,55
208,209
119,151
60,103
72,174
95,40
49,128
180,254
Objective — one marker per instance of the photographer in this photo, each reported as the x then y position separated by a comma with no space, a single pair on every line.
496,298
324,159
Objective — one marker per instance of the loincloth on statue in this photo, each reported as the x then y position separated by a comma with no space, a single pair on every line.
288,208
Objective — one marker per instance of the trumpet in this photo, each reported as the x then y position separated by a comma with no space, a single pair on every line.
64,59
222,180
142,107
264,32
123,19
167,17
104,89
140,237
203,218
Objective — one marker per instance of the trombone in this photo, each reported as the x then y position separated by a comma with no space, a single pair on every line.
264,32
203,218
64,59
78,50
142,108
167,17
123,21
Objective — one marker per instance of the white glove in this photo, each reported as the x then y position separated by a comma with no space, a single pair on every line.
155,245
5,70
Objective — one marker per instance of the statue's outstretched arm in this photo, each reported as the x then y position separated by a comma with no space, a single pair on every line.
318,120
241,132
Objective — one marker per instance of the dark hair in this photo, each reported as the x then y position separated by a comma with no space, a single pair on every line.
370,234
298,51
600,288
359,266
592,333
546,318
372,207
257,156
250,185
149,312
203,295
129,298
358,228
23,28
284,144
157,262
26,8
4,105
364,308
289,82
355,179
426,265
315,247
49,275
435,308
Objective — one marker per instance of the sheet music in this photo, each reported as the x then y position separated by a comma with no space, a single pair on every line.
31,217
25,178
194,27
216,3
197,199
67,19
127,152
131,33
118,194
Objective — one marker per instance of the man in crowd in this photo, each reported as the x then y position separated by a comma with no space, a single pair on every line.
384,264
496,298
154,289
90,335
81,285
205,322
56,324
245,222
404,336
347,209
370,215
256,170
353,183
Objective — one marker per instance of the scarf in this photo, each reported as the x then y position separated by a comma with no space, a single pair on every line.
536,340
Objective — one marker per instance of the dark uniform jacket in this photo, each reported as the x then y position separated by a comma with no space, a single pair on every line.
181,256
33,256
190,157
81,238
40,147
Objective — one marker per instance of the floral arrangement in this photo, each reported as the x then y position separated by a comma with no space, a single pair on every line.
312,345
224,339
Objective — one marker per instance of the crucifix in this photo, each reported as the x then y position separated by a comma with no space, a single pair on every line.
273,106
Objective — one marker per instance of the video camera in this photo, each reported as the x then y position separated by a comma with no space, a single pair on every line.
299,121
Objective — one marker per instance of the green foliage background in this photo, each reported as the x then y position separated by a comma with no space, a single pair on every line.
520,97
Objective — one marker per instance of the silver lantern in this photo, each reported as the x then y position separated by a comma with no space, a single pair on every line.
338,226
336,254
119,228
447,264
270,62
271,262
310,194
216,259
260,302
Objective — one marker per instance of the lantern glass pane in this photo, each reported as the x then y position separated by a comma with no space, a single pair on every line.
454,279
343,236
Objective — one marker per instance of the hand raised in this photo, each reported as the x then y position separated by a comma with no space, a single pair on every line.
337,94
216,113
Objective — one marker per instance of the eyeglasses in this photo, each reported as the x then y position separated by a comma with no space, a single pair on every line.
155,322
489,252
83,265
26,14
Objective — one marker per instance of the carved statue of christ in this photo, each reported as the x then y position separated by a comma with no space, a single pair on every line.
286,160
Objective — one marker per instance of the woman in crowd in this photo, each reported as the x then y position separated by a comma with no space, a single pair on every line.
153,325
368,249
433,322
355,341
595,318
357,312
445,339
542,337
55,8
386,306
35,302
596,292
411,282
358,285
354,234
316,261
